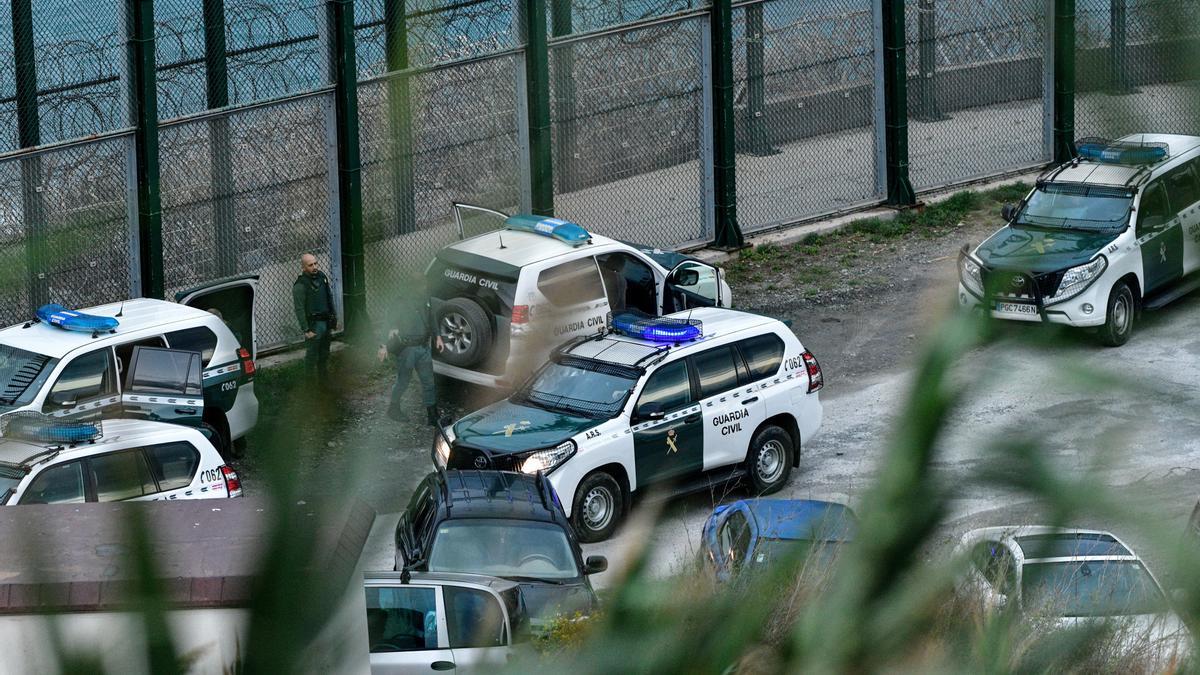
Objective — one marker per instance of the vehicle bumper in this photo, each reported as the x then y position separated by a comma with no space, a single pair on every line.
1069,313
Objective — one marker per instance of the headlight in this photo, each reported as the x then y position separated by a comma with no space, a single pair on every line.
547,460
441,449
971,275
1077,279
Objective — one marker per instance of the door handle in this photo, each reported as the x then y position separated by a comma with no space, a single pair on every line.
442,665
185,411
694,417
752,399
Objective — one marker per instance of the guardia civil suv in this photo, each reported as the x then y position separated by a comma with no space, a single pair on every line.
200,348
685,401
503,298
1097,240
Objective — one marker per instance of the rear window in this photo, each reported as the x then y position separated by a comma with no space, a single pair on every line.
22,374
200,339
493,288
173,464
763,355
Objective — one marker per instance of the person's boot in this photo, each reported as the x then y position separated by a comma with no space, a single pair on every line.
431,415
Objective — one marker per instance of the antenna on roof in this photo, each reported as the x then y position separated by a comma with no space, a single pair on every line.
121,312
501,236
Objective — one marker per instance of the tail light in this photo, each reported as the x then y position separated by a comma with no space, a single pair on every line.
233,484
816,380
247,362
520,314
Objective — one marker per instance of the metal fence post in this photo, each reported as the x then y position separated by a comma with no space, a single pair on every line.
728,234
1048,81
756,94
1118,49
216,75
895,91
1064,80
927,42
343,67
143,107
537,87
395,29
565,144
29,135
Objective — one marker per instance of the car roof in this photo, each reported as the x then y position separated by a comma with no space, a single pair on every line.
136,314
116,434
492,494
495,583
1037,542
1104,173
521,248
803,519
623,350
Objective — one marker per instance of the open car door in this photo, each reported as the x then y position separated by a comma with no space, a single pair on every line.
164,385
475,220
231,299
693,284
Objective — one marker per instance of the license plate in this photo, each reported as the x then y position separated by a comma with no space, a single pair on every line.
1016,308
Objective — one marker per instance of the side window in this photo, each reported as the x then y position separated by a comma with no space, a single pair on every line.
401,619
173,464
668,386
165,371
199,339
734,538
716,371
86,377
996,564
763,355
121,475
59,484
629,283
125,351
571,283
1153,209
1182,189
474,618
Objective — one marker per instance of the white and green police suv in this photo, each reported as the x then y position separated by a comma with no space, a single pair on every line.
1098,239
143,368
503,299
688,400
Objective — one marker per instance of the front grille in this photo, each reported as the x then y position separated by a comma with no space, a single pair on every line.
462,457
1021,286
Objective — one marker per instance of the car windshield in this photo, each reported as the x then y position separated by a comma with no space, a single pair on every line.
503,548
19,370
1091,588
1076,207
580,387
10,477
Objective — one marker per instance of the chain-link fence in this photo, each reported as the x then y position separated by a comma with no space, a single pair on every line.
628,111
254,164
805,102
457,139
1137,67
975,88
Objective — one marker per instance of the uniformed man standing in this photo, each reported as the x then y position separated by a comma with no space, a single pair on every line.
410,341
312,297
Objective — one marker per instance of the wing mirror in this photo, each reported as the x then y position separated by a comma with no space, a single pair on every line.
64,399
595,564
1008,212
687,277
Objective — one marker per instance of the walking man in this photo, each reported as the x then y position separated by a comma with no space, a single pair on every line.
312,297
409,341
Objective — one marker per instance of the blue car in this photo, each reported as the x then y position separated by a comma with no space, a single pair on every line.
750,533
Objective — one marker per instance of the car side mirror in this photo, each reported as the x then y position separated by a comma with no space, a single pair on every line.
1008,212
687,277
651,412
64,399
1153,222
595,564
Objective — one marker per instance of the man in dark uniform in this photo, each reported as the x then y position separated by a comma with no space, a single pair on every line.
409,341
312,297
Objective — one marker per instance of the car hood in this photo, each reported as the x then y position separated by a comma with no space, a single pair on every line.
545,602
506,427
1038,251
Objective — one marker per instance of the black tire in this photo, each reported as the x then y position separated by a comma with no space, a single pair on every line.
769,460
1119,315
598,508
466,331
219,441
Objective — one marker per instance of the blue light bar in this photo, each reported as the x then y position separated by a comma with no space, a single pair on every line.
67,319
657,329
1116,152
556,228
41,429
